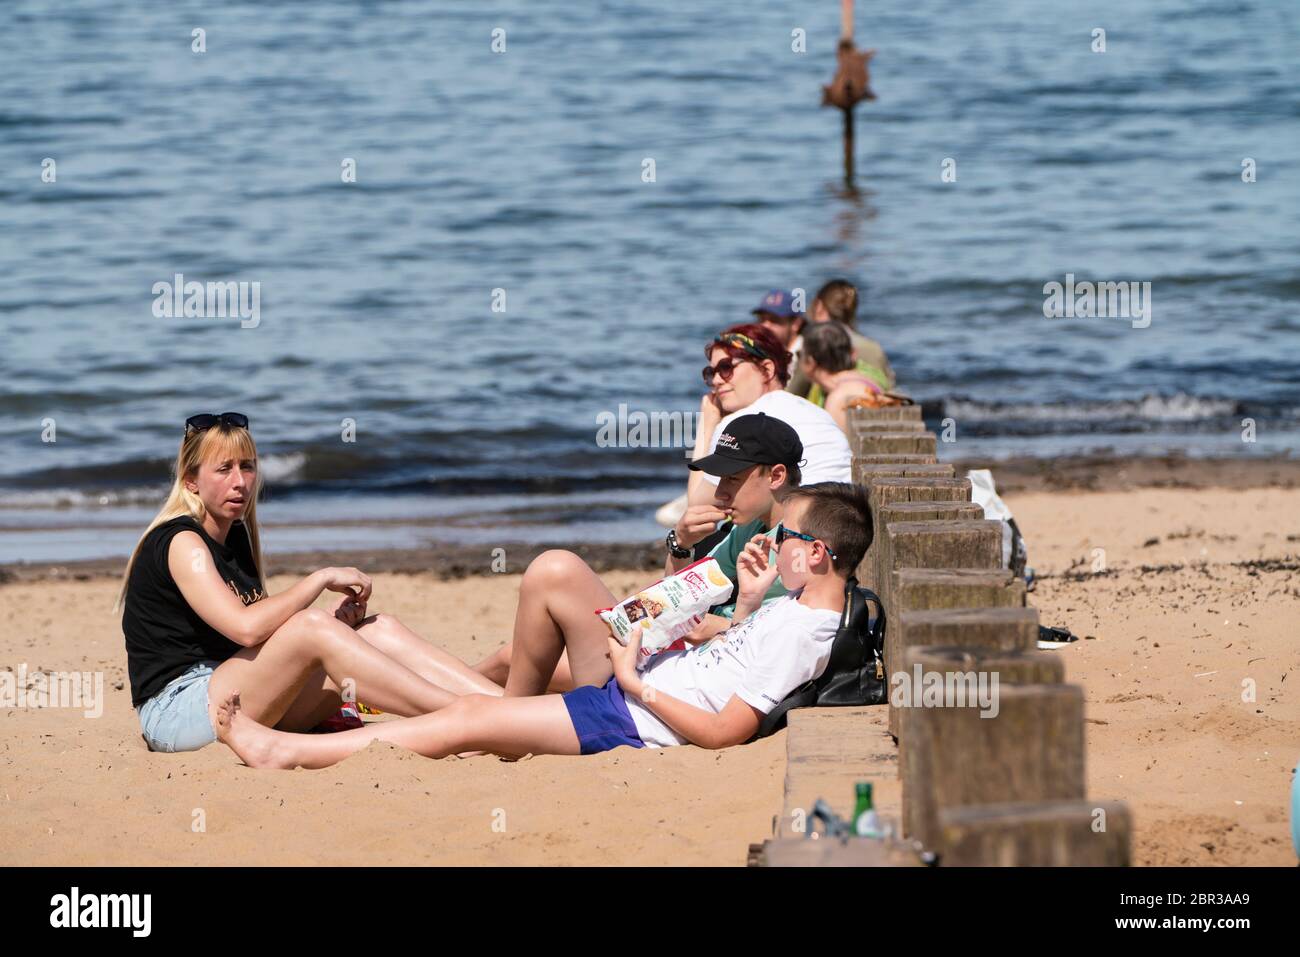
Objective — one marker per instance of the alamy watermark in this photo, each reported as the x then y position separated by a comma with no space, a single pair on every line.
945,689
646,430
1102,300
193,299
75,909
53,689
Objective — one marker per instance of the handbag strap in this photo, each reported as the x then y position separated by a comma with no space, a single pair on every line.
876,634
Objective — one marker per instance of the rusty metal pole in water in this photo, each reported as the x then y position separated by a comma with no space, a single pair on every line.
846,36
848,147
851,83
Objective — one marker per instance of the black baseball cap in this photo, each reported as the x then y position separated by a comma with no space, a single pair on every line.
750,440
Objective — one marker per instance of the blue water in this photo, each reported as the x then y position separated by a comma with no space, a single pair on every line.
522,170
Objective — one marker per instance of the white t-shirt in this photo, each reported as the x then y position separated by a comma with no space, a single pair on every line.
762,659
826,453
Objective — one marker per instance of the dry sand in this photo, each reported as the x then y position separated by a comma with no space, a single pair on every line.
1200,590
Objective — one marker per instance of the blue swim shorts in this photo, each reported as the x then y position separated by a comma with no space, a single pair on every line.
601,718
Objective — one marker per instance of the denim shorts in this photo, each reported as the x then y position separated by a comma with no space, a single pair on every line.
176,718
601,719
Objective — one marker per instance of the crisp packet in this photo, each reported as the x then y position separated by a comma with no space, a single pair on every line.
670,608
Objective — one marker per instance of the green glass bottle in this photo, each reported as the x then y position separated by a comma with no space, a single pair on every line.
866,823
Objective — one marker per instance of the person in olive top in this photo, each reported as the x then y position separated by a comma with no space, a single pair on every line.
199,623
837,302
757,462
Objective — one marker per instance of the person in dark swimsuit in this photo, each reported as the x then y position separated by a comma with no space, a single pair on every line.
200,624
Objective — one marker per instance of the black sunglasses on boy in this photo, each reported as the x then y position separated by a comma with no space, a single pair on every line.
782,533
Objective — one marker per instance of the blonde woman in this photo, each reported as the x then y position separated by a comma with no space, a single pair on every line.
199,624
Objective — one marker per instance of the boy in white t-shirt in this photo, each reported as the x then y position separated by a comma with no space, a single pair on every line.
713,695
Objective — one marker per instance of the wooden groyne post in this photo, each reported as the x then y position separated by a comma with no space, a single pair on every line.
999,780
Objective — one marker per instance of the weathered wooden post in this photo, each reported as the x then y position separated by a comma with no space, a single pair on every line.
864,470
864,426
938,589
889,458
888,413
885,490
922,511
951,544
1030,749
904,442
1037,834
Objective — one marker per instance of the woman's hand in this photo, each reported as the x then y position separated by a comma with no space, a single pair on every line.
350,610
624,658
348,580
710,413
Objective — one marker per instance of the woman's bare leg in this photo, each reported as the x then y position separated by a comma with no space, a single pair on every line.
509,726
319,699
273,674
558,599
496,668
432,664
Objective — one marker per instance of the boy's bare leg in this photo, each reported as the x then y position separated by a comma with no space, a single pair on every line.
558,599
496,668
507,726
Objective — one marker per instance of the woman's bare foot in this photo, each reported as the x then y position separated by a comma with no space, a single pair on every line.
255,744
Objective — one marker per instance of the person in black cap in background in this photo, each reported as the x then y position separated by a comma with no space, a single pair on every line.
757,463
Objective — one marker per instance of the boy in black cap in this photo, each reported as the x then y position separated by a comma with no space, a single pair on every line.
757,461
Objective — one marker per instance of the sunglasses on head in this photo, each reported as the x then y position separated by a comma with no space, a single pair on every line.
206,420
782,533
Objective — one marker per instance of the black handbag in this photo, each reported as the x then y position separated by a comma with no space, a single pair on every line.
855,672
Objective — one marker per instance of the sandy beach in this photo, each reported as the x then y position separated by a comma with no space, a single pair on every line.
1195,592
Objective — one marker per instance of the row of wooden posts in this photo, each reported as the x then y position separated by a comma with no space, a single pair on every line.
1003,790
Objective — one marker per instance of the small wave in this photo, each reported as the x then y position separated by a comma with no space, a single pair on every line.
82,498
1179,407
282,467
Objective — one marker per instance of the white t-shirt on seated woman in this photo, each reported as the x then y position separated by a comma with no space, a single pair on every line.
826,453
762,659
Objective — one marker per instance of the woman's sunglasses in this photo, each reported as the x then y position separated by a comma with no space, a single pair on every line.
725,368
782,533
206,420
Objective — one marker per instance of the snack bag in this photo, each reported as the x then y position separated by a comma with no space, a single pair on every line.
670,608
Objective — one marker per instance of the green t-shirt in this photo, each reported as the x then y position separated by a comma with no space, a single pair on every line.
727,551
